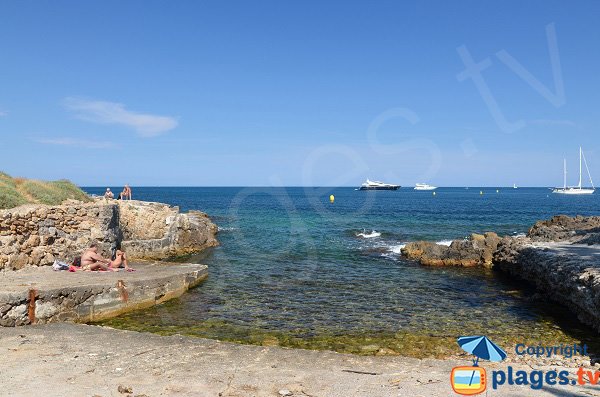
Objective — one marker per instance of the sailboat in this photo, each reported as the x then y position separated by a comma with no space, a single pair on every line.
576,189
514,186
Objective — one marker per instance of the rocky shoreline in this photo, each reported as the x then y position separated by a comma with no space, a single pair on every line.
559,256
33,236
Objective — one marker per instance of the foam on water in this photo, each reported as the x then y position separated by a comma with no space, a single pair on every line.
364,234
396,249
227,229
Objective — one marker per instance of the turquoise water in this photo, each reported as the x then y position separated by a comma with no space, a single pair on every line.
292,268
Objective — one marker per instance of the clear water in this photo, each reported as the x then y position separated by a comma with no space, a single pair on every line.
293,270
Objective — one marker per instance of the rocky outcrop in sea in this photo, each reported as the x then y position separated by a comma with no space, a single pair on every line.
476,250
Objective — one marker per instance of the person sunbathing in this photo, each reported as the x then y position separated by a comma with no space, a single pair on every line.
91,260
120,261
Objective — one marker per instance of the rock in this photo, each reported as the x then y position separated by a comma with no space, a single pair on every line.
156,231
564,228
45,310
125,389
384,351
477,250
566,273
285,392
370,348
17,312
18,261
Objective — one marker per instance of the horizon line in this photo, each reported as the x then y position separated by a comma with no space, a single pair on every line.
315,186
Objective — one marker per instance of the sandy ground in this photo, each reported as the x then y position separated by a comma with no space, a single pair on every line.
79,360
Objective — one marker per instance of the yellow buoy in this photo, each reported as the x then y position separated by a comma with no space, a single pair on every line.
481,192
332,198
434,193
497,191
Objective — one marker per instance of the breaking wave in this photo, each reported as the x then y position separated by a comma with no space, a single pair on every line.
364,234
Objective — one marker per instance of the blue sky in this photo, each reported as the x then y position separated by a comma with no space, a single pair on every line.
298,93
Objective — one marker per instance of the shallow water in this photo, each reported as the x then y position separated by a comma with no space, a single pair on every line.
296,270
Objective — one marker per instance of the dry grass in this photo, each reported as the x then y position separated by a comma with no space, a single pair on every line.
19,191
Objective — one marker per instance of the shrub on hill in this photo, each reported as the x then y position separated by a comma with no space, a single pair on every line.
19,191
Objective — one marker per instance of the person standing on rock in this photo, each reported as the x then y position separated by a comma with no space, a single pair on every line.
126,195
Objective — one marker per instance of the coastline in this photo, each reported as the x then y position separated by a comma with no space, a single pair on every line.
373,357
76,360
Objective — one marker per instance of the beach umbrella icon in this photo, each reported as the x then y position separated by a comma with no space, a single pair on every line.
481,347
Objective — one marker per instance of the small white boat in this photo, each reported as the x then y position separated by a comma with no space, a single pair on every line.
424,186
376,185
575,189
515,186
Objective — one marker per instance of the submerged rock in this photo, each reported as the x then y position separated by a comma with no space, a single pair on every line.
477,250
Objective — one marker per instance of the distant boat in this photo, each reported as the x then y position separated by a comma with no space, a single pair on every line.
515,186
376,185
424,186
575,189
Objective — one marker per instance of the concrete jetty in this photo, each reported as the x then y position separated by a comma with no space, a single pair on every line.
42,295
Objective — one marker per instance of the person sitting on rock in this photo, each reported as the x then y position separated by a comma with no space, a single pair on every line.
109,194
120,261
91,260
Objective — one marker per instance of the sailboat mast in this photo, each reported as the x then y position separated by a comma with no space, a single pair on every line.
565,173
579,167
588,170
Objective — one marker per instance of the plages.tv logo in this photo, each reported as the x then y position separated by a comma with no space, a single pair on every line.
471,380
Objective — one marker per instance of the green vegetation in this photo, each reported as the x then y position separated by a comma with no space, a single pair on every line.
18,191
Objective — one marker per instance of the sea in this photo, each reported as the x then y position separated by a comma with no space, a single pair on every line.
296,269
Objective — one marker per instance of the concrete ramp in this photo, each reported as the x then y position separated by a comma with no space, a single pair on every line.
42,295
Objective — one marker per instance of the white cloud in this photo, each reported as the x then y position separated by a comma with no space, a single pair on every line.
103,112
81,143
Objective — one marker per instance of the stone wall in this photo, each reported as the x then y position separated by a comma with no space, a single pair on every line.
36,235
